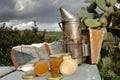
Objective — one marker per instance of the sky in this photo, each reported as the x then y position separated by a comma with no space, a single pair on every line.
22,13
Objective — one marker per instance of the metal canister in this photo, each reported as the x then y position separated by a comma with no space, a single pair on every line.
70,25
74,47
71,28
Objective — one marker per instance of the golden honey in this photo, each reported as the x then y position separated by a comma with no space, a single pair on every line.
55,62
41,68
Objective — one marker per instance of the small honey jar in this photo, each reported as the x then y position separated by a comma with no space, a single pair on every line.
55,62
41,68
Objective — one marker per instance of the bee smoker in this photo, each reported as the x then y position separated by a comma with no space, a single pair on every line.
72,40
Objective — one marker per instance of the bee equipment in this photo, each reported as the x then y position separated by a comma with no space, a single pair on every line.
70,25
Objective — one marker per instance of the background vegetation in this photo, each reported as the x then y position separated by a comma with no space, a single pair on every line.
109,64
10,38
105,15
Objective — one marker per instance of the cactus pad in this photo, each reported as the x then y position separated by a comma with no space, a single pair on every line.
91,7
81,13
113,2
92,23
101,4
91,15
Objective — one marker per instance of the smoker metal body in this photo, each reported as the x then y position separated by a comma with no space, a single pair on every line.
74,47
71,28
72,40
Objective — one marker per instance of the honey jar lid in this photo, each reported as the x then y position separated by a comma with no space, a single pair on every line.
67,57
55,56
65,54
67,68
28,76
55,77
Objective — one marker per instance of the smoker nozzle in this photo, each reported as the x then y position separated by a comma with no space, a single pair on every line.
65,13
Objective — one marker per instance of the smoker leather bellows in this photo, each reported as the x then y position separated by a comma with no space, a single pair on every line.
70,26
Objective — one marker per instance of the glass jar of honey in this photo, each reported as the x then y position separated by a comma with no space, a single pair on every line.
41,68
55,62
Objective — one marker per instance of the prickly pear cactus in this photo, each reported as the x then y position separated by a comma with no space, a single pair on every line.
101,4
92,7
91,15
91,23
81,13
119,45
113,2
103,20
106,17
116,14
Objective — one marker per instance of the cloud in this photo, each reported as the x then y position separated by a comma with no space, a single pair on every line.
49,26
23,26
17,12
41,26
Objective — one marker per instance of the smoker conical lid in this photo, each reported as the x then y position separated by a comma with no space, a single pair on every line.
65,13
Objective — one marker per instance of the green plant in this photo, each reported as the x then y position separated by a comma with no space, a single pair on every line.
10,38
109,65
107,13
99,15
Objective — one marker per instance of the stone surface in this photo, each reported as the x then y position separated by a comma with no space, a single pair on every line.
84,72
5,70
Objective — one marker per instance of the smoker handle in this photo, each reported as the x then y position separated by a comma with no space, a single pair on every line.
60,25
